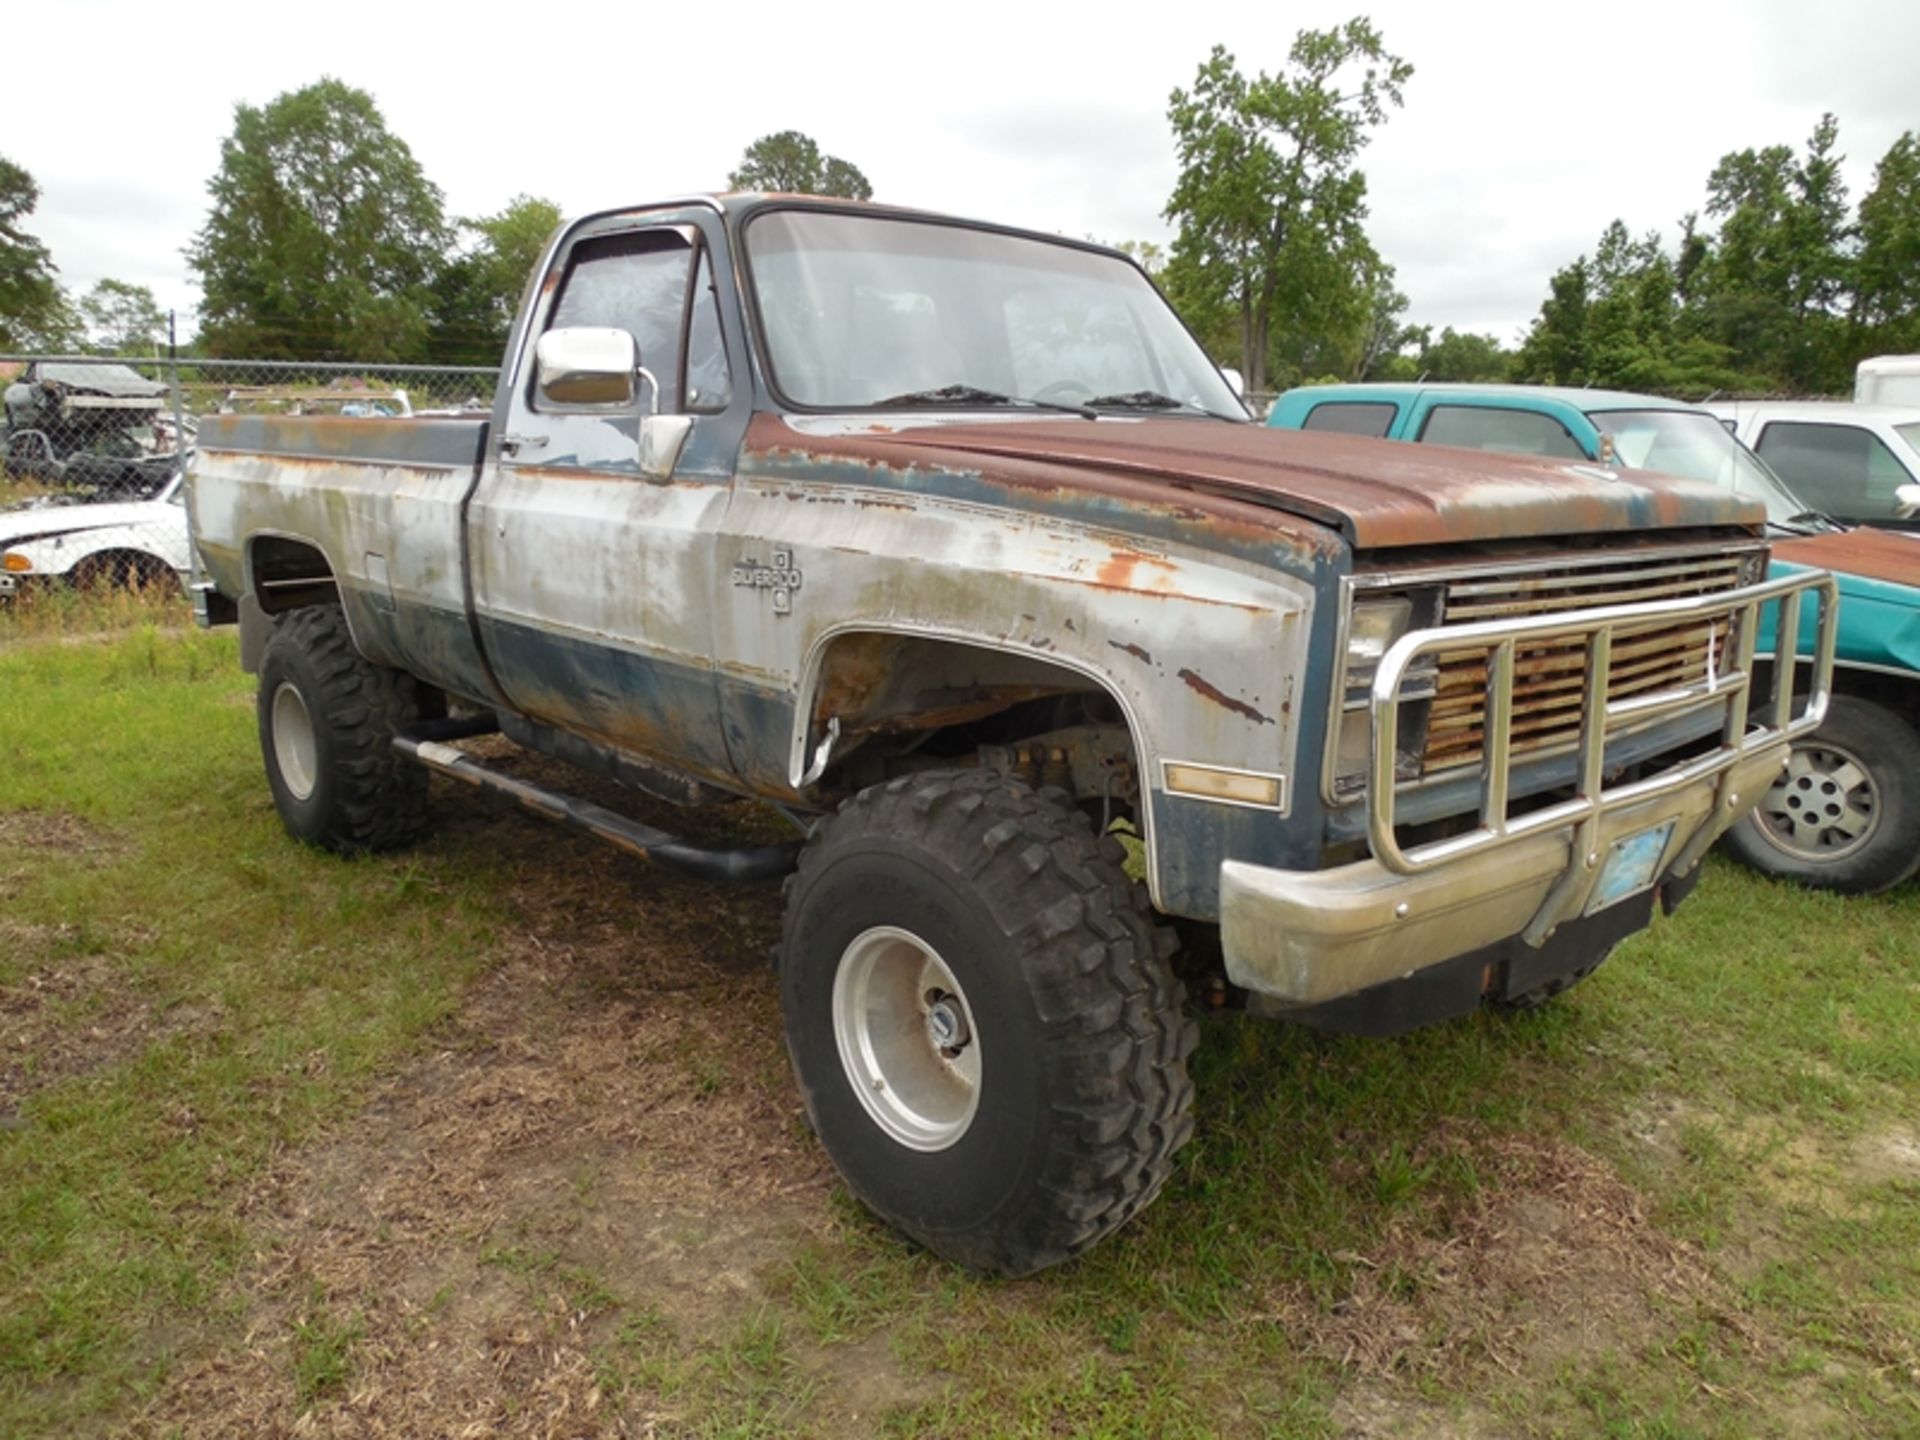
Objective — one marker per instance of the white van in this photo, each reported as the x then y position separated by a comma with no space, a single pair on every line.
1887,380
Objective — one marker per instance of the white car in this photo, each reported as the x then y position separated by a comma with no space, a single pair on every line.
1859,463
60,538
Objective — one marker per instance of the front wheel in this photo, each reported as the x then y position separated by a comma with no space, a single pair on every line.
985,1029
1845,813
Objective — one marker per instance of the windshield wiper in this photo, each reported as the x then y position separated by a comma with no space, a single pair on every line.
1150,400
1817,517
974,395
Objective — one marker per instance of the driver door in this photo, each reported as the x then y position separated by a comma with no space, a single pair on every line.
593,582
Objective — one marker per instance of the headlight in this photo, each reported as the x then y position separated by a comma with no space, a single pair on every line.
1373,624
15,563
1372,627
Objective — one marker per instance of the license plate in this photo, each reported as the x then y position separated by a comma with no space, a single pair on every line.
1631,865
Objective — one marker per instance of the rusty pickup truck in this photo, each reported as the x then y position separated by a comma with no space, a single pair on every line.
950,543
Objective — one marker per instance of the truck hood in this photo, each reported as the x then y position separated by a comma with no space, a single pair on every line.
1887,555
31,521
1378,493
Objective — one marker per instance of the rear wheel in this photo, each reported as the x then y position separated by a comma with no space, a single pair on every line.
986,1032
1845,813
327,719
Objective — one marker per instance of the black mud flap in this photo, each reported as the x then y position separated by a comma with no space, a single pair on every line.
1502,971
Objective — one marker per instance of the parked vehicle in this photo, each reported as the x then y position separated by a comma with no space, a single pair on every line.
98,429
950,542
65,538
1846,813
1887,380
1858,463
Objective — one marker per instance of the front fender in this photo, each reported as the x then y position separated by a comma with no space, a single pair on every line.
1206,654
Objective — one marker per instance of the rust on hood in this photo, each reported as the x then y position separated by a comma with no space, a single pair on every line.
1375,492
1877,554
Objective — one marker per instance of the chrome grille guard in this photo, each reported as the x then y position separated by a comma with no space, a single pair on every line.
1601,718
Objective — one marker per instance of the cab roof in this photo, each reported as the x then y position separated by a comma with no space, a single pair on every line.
1576,397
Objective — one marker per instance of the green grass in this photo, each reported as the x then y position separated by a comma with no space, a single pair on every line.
276,984
1710,1105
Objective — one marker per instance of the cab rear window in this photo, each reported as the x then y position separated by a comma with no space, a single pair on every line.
1351,417
1511,432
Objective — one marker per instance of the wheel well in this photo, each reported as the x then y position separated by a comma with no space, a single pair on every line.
911,702
285,574
1899,693
115,564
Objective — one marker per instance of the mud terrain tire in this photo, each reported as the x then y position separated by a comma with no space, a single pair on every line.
327,721
959,911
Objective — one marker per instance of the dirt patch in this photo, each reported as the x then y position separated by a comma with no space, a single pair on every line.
1890,1156
1551,1257
1373,1415
73,1017
27,837
54,830
570,1206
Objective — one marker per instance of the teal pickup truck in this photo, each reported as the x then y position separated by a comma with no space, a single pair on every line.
1845,814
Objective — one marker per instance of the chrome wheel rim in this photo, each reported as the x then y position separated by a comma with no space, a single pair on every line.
1825,805
295,751
906,1039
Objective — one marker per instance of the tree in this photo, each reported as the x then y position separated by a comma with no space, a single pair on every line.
1619,319
1555,350
123,319
1779,267
1385,332
1268,203
1147,254
325,236
1461,356
791,163
477,293
34,310
1886,302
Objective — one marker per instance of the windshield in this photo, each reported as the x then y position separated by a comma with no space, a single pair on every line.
863,309
1696,446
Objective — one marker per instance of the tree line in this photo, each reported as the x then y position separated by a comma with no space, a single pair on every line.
325,239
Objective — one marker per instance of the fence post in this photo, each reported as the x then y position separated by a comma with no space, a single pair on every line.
196,577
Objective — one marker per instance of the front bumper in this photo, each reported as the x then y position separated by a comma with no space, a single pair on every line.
1303,938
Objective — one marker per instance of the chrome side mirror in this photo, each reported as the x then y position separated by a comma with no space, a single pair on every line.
1906,502
583,365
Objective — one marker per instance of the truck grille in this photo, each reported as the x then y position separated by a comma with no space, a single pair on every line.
1548,677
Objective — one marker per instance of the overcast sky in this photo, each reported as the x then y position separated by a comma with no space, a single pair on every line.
1526,128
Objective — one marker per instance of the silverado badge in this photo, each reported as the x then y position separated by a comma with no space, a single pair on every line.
780,577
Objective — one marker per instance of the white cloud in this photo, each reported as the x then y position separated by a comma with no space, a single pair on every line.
1527,128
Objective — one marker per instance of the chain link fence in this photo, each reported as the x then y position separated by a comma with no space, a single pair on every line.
94,449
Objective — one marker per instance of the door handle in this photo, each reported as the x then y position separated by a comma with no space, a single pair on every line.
510,444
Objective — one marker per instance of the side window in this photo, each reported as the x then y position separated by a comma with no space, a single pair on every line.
709,380
1841,469
636,283
1351,417
1512,432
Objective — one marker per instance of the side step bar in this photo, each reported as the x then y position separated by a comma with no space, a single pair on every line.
429,747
